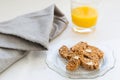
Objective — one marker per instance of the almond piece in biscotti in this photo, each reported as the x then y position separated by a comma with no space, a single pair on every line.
79,47
73,64
63,51
97,51
89,64
91,55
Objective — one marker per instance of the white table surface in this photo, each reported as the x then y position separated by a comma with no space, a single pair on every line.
33,67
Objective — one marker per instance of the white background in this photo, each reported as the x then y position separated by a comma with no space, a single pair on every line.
33,66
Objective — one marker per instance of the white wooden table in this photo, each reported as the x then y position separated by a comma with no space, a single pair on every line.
33,67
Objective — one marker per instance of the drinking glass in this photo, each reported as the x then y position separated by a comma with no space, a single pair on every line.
84,14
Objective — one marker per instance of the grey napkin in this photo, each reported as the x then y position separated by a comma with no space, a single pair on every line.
29,32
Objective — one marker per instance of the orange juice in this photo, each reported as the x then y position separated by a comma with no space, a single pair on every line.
84,16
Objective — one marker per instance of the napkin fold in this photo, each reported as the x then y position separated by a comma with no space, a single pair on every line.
29,32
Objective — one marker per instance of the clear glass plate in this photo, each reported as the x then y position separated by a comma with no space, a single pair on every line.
58,64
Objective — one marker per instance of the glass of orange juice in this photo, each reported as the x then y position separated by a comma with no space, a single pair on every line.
84,15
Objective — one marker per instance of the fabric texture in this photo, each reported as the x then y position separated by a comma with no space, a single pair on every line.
29,32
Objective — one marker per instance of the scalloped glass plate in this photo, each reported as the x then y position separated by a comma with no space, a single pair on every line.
58,64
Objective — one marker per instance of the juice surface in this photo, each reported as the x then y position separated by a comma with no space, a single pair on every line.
84,16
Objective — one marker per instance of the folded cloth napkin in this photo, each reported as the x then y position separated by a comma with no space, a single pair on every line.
29,32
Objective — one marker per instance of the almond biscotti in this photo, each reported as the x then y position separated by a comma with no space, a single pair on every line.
81,54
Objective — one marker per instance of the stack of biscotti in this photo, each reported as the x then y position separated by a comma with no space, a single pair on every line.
81,54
